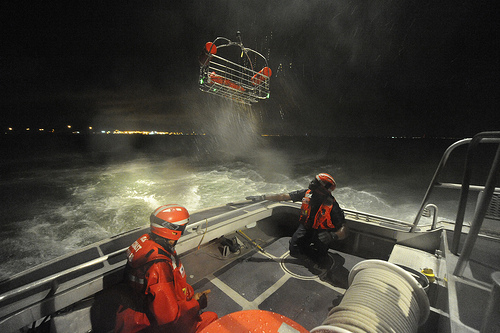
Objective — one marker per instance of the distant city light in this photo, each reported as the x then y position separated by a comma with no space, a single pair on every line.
151,132
11,130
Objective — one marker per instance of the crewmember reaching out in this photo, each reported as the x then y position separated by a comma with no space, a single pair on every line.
322,221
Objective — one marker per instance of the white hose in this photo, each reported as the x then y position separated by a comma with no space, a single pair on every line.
382,297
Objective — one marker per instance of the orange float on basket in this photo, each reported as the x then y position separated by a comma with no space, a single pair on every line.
211,48
253,321
206,54
261,76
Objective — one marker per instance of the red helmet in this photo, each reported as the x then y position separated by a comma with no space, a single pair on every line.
324,181
169,221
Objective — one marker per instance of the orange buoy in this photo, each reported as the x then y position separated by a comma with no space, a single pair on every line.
253,321
221,80
206,54
261,76
210,48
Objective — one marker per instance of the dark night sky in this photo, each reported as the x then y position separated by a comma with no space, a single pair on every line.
383,67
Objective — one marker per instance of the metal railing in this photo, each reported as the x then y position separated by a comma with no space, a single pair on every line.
484,202
51,278
362,216
434,183
488,190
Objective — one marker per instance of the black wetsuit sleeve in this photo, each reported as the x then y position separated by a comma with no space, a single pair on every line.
337,215
297,195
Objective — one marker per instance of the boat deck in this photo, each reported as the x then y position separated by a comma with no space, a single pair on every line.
258,274
243,259
267,279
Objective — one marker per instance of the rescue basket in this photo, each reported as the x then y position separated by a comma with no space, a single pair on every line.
232,71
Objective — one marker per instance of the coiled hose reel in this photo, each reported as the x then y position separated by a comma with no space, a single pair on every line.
381,297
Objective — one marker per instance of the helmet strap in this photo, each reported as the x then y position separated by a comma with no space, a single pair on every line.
164,242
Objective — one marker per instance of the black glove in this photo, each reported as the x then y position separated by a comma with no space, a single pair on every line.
327,237
203,301
256,198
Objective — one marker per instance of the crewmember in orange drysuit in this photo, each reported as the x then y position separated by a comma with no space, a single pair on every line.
161,300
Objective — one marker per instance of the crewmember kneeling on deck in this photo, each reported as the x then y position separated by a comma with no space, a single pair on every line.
161,300
322,221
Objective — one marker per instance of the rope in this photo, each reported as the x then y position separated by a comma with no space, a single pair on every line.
382,298
204,233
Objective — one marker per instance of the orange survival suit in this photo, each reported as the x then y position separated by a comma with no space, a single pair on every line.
162,300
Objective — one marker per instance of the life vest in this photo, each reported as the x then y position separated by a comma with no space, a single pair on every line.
142,254
323,219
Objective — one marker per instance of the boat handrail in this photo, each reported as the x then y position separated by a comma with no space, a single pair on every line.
484,137
482,207
481,137
49,279
488,190
368,216
434,183
193,227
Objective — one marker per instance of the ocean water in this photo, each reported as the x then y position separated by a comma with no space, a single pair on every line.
62,192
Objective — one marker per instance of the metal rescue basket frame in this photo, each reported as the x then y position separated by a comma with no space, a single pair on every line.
232,71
